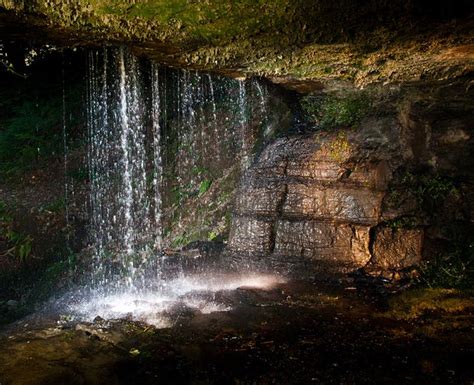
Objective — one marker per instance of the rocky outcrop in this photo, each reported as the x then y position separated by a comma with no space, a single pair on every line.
377,196
305,200
325,43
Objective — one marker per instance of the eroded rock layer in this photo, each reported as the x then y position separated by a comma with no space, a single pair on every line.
325,43
380,196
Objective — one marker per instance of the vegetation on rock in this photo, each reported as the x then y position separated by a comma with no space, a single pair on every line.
326,41
331,111
12,243
32,119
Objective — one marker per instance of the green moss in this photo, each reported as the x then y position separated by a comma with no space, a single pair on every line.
208,22
329,112
403,223
413,304
340,148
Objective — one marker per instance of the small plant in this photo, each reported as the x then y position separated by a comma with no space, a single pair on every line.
16,244
179,241
427,189
23,247
204,186
179,194
436,187
212,236
19,245
453,269
55,206
198,171
403,223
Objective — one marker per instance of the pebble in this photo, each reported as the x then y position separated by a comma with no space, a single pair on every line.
12,303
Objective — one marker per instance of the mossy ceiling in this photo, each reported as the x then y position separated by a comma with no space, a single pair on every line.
327,42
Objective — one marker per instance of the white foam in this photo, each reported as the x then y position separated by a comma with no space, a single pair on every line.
151,306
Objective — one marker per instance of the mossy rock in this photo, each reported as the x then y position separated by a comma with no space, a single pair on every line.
326,41
415,303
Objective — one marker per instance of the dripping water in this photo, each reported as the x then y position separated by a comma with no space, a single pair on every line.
242,104
65,152
157,157
212,98
120,204
130,123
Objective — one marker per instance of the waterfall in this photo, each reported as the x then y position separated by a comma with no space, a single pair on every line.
263,96
125,159
65,151
121,204
242,103
157,157
145,122
212,99
158,138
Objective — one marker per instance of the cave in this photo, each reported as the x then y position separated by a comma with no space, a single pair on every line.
248,192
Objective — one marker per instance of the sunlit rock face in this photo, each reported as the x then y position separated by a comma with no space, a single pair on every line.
383,195
303,201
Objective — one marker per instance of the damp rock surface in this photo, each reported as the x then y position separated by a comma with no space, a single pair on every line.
325,43
297,332
382,194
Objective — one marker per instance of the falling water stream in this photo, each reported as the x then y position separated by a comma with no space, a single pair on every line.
135,110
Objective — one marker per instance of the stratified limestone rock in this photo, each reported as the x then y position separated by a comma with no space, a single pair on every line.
259,200
382,195
335,203
323,242
305,200
251,235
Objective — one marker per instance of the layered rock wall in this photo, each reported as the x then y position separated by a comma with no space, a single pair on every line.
301,202
376,196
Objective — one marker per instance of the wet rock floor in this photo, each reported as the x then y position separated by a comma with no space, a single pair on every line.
295,333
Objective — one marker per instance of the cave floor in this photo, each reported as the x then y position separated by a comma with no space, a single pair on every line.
295,333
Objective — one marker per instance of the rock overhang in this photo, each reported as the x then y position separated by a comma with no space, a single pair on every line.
306,46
